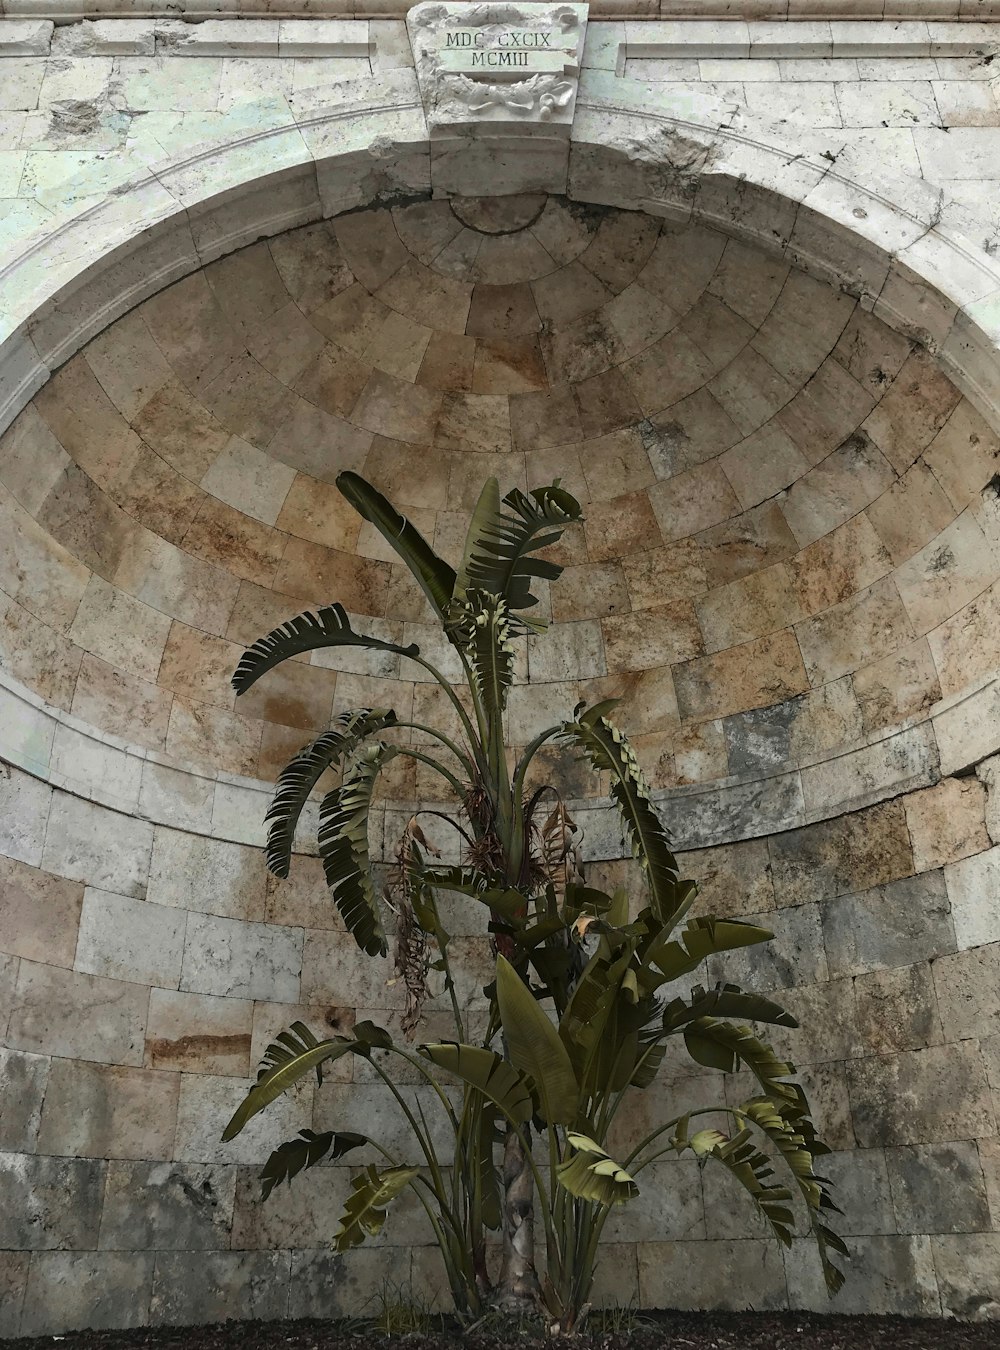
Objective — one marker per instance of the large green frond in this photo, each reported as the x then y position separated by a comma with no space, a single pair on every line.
592,1175
505,535
434,576
608,751
751,1168
365,1212
294,1054
328,627
289,1159
699,938
343,846
481,627
725,1000
494,1076
535,1047
301,774
724,1045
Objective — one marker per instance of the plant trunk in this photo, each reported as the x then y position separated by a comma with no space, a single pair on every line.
518,1289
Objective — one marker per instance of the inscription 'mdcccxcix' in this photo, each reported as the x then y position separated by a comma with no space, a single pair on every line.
515,37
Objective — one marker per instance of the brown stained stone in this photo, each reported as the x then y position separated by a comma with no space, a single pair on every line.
371,245
621,247
544,418
474,424
620,527
508,366
748,281
102,1111
754,675
964,455
955,567
311,265
466,478
901,685
442,303
734,880
247,548
590,591
869,625
257,611
372,543
843,484
128,364
851,854
825,412
502,311
404,598
351,319
654,637
181,430
700,753
747,543
278,745
198,666
128,634
323,1019
31,459
715,330
157,496
762,465
317,574
319,513
397,409
947,822
606,404
760,603
38,655
920,1096
316,442
425,227
648,705
136,710
682,264
751,391
37,571
581,348
897,1010
198,1033
638,318
833,568
188,326
910,415
247,285
86,522
693,501
871,351
302,898
39,914
564,295
825,719
285,343
669,573
398,347
616,464
333,380
60,1012
448,363
248,400
666,372
656,759
206,737
86,423
967,646
911,512
293,694
562,462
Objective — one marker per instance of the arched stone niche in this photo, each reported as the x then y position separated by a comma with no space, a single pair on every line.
808,669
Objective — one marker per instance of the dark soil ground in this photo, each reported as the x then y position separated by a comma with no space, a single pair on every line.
648,1331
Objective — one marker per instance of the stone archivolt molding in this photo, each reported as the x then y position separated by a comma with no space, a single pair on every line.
366,143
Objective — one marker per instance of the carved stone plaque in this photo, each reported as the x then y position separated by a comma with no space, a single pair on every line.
498,66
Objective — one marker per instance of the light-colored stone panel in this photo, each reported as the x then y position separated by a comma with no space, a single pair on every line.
200,1033
128,939
73,1290
61,1012
192,872
166,1206
22,1083
974,893
88,843
39,914
97,1111
235,959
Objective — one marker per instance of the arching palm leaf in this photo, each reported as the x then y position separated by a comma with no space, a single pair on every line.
726,1000
294,1054
503,536
343,846
608,751
535,1047
592,1175
481,627
328,627
289,1159
365,1213
301,774
494,1076
434,576
722,1045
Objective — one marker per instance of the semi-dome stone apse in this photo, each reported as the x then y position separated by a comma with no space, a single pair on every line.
788,569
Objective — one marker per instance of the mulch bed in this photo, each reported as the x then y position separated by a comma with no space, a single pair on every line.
650,1331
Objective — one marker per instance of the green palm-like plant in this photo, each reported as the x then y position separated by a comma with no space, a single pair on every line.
579,1013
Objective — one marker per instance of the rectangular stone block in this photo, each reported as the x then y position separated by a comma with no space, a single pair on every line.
886,1275
60,1012
9,968
834,857
938,1188
68,1291
49,1202
946,822
206,1105
669,1206
335,970
967,985
102,848
192,872
921,1096
269,1019
199,1033
894,925
727,1275
897,1009
167,1206
241,960
974,891
128,939
177,798
898,764
22,1090
24,812
39,913
734,880
968,1274
25,37
860,1184
13,1279
794,956
827,1029
327,1284
100,1111
190,1288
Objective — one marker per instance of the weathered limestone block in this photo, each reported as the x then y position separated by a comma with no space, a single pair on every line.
734,880
861,1188
24,811
192,872
205,1107
897,1009
39,914
128,939
102,1111
102,848
167,1206
921,1096
371,1110
669,1206
326,1284
730,1214
793,958
967,1268
334,970
68,1291
720,1274
60,1012
13,1278
974,892
967,985
887,1275
9,969
22,1088
834,857
828,1027
199,1033
241,960
905,921
946,822
195,1287
938,1188
49,1202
